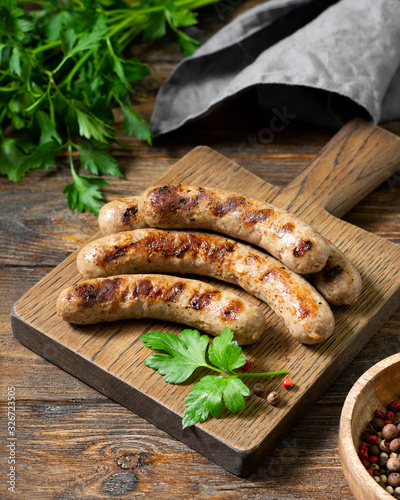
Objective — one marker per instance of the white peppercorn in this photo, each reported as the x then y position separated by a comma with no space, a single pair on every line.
390,432
394,479
393,464
384,446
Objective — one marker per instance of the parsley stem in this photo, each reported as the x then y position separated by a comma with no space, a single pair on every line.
265,374
73,71
71,161
130,16
3,114
214,368
128,36
37,2
47,46
62,96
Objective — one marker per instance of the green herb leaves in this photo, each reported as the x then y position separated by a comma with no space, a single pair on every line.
96,161
62,71
84,192
184,354
206,397
224,353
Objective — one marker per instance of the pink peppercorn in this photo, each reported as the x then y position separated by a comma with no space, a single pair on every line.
287,383
373,459
246,367
371,438
370,472
379,414
389,415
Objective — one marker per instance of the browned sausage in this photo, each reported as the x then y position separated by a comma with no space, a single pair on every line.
306,314
282,234
339,281
167,298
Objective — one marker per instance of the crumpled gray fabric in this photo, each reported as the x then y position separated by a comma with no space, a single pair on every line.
321,61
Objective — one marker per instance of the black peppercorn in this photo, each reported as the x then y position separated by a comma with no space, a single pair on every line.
382,462
374,450
378,424
258,390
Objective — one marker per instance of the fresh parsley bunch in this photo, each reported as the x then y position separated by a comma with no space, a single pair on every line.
184,354
63,69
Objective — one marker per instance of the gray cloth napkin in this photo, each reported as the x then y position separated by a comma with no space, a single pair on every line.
321,61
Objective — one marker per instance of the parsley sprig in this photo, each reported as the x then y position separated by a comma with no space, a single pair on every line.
184,354
63,69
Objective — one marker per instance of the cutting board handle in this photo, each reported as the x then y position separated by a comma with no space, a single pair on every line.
353,163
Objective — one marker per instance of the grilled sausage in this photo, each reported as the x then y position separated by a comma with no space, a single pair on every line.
339,281
167,298
282,234
306,314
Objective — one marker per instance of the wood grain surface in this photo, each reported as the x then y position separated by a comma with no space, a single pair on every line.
74,443
109,357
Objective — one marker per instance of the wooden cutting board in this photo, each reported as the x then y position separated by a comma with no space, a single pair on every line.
109,357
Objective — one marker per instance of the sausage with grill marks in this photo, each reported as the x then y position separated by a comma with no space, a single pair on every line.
166,298
339,281
282,234
305,313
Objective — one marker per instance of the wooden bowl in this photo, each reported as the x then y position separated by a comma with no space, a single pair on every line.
379,386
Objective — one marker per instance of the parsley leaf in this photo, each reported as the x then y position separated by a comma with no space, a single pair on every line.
84,193
91,126
184,354
134,123
97,161
88,41
42,157
10,156
187,44
135,70
15,61
224,353
68,39
206,397
177,18
54,26
48,131
156,27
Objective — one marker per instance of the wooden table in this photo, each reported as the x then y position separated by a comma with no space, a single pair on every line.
74,443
